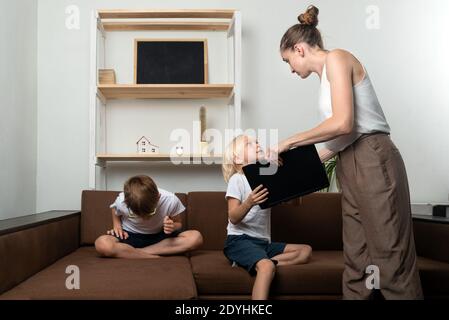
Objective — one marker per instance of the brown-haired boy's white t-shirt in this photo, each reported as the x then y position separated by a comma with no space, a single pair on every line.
168,205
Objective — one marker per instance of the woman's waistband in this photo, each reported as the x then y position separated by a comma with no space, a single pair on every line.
366,135
362,137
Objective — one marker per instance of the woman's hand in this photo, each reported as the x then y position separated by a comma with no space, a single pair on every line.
118,232
272,154
257,196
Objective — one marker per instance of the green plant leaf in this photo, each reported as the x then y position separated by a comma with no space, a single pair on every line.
330,167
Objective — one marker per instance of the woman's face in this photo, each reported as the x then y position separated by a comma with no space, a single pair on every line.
296,59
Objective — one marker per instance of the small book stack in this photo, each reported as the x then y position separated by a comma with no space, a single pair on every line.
106,76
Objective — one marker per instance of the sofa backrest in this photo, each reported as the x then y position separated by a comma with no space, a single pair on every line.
207,212
314,219
431,238
96,214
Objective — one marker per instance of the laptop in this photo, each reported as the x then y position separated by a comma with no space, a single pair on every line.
301,173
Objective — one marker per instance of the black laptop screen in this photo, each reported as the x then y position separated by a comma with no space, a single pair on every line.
301,173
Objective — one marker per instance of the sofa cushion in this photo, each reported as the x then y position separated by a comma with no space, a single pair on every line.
315,220
434,277
96,214
105,278
208,213
214,274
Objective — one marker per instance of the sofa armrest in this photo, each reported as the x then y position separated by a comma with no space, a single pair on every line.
432,237
29,244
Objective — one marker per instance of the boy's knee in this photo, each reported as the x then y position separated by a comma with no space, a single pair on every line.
196,239
104,246
265,266
307,252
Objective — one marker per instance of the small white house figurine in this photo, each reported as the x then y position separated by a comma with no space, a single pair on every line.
145,146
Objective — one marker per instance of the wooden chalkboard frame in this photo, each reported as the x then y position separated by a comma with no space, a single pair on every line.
136,41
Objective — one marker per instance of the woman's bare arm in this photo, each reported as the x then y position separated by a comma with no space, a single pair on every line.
339,73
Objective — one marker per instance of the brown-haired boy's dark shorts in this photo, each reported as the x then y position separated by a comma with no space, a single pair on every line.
141,240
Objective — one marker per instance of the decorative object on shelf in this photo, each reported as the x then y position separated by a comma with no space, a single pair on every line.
179,150
441,210
431,209
204,145
204,148
170,61
203,122
106,76
145,146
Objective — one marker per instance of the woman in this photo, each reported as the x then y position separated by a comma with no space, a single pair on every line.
377,224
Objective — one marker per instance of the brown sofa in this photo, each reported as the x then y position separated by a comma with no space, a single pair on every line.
35,256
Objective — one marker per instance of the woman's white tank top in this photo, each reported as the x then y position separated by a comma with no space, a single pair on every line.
368,114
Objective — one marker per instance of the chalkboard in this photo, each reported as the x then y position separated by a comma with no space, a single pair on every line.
168,61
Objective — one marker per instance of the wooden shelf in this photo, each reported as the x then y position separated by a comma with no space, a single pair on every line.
156,157
103,23
165,91
142,14
162,25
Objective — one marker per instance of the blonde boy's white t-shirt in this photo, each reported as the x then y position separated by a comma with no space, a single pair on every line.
168,205
257,222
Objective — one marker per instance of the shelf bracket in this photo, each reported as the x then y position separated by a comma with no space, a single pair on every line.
231,97
231,26
100,163
100,27
101,97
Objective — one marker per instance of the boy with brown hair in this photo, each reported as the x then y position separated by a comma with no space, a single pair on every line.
146,223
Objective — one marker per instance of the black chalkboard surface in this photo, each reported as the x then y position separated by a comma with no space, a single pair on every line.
170,61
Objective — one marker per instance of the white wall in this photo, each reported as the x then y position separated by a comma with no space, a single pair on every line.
18,112
405,58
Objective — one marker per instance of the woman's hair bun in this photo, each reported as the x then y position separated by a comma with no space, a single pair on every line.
310,17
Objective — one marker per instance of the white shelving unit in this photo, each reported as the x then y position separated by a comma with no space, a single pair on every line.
105,21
